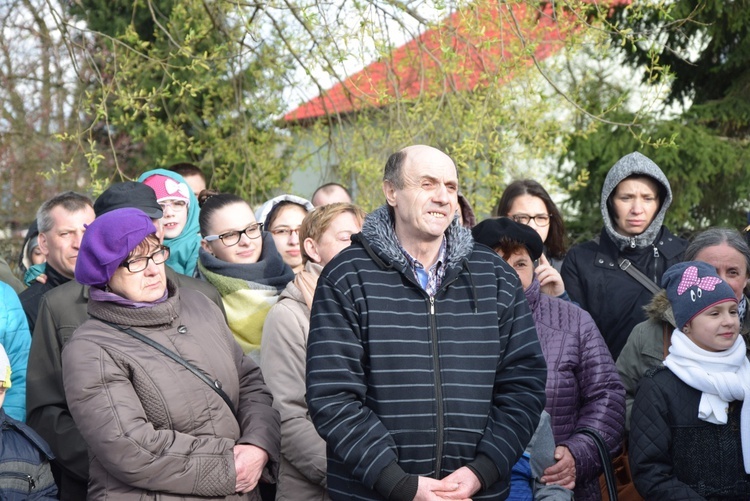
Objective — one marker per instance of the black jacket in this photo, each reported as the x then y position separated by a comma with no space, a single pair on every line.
674,456
401,384
32,297
614,299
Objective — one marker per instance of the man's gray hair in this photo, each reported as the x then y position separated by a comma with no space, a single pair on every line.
70,201
394,169
717,236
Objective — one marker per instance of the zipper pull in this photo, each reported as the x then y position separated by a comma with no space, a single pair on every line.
632,243
32,484
656,252
432,305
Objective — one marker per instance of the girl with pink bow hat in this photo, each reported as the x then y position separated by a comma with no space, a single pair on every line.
690,425
180,220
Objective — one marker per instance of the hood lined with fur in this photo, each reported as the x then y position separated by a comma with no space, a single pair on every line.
379,239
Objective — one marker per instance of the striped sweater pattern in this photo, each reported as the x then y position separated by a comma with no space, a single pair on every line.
428,383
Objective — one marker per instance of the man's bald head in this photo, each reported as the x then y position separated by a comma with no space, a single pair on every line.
394,167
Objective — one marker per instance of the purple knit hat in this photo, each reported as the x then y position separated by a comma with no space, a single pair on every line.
107,243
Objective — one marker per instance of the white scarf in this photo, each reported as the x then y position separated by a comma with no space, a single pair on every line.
722,376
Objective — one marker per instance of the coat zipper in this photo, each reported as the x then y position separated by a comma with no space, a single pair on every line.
438,388
20,476
656,265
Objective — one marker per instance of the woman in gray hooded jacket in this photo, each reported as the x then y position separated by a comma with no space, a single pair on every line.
635,198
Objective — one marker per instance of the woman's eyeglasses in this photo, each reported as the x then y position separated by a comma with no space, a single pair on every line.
284,232
176,205
539,219
231,238
141,263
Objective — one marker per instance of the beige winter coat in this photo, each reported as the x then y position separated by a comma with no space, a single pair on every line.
302,474
154,430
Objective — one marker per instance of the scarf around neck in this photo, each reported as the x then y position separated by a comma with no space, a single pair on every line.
102,295
269,271
723,377
247,290
306,281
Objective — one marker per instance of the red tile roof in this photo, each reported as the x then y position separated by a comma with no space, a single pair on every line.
471,47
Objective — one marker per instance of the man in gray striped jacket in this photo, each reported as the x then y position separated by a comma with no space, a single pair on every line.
424,372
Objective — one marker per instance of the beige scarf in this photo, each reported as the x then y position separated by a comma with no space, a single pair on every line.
306,280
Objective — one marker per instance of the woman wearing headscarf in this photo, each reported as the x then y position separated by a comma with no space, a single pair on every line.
168,404
600,275
180,219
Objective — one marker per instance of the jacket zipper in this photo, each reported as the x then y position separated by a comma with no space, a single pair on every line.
21,476
656,265
438,388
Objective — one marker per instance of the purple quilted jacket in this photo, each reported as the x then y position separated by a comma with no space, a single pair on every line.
583,386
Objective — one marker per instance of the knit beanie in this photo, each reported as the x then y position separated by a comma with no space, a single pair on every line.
167,188
491,231
107,243
4,368
693,287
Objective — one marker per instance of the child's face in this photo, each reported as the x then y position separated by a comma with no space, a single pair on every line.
715,329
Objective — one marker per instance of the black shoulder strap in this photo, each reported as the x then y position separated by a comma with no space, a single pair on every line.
215,384
601,447
627,267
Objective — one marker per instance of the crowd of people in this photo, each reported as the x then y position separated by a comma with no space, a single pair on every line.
168,341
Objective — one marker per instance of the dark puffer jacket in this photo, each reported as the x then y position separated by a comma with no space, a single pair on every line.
401,384
583,387
674,456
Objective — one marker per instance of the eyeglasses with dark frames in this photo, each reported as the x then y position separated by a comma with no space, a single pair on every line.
539,219
139,264
285,231
231,238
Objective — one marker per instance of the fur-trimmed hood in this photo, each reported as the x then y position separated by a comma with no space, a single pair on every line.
659,309
378,237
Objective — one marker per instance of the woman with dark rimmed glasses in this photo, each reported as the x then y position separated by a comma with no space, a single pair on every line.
527,202
169,406
241,261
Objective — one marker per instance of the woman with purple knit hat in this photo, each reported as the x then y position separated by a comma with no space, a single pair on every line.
163,395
